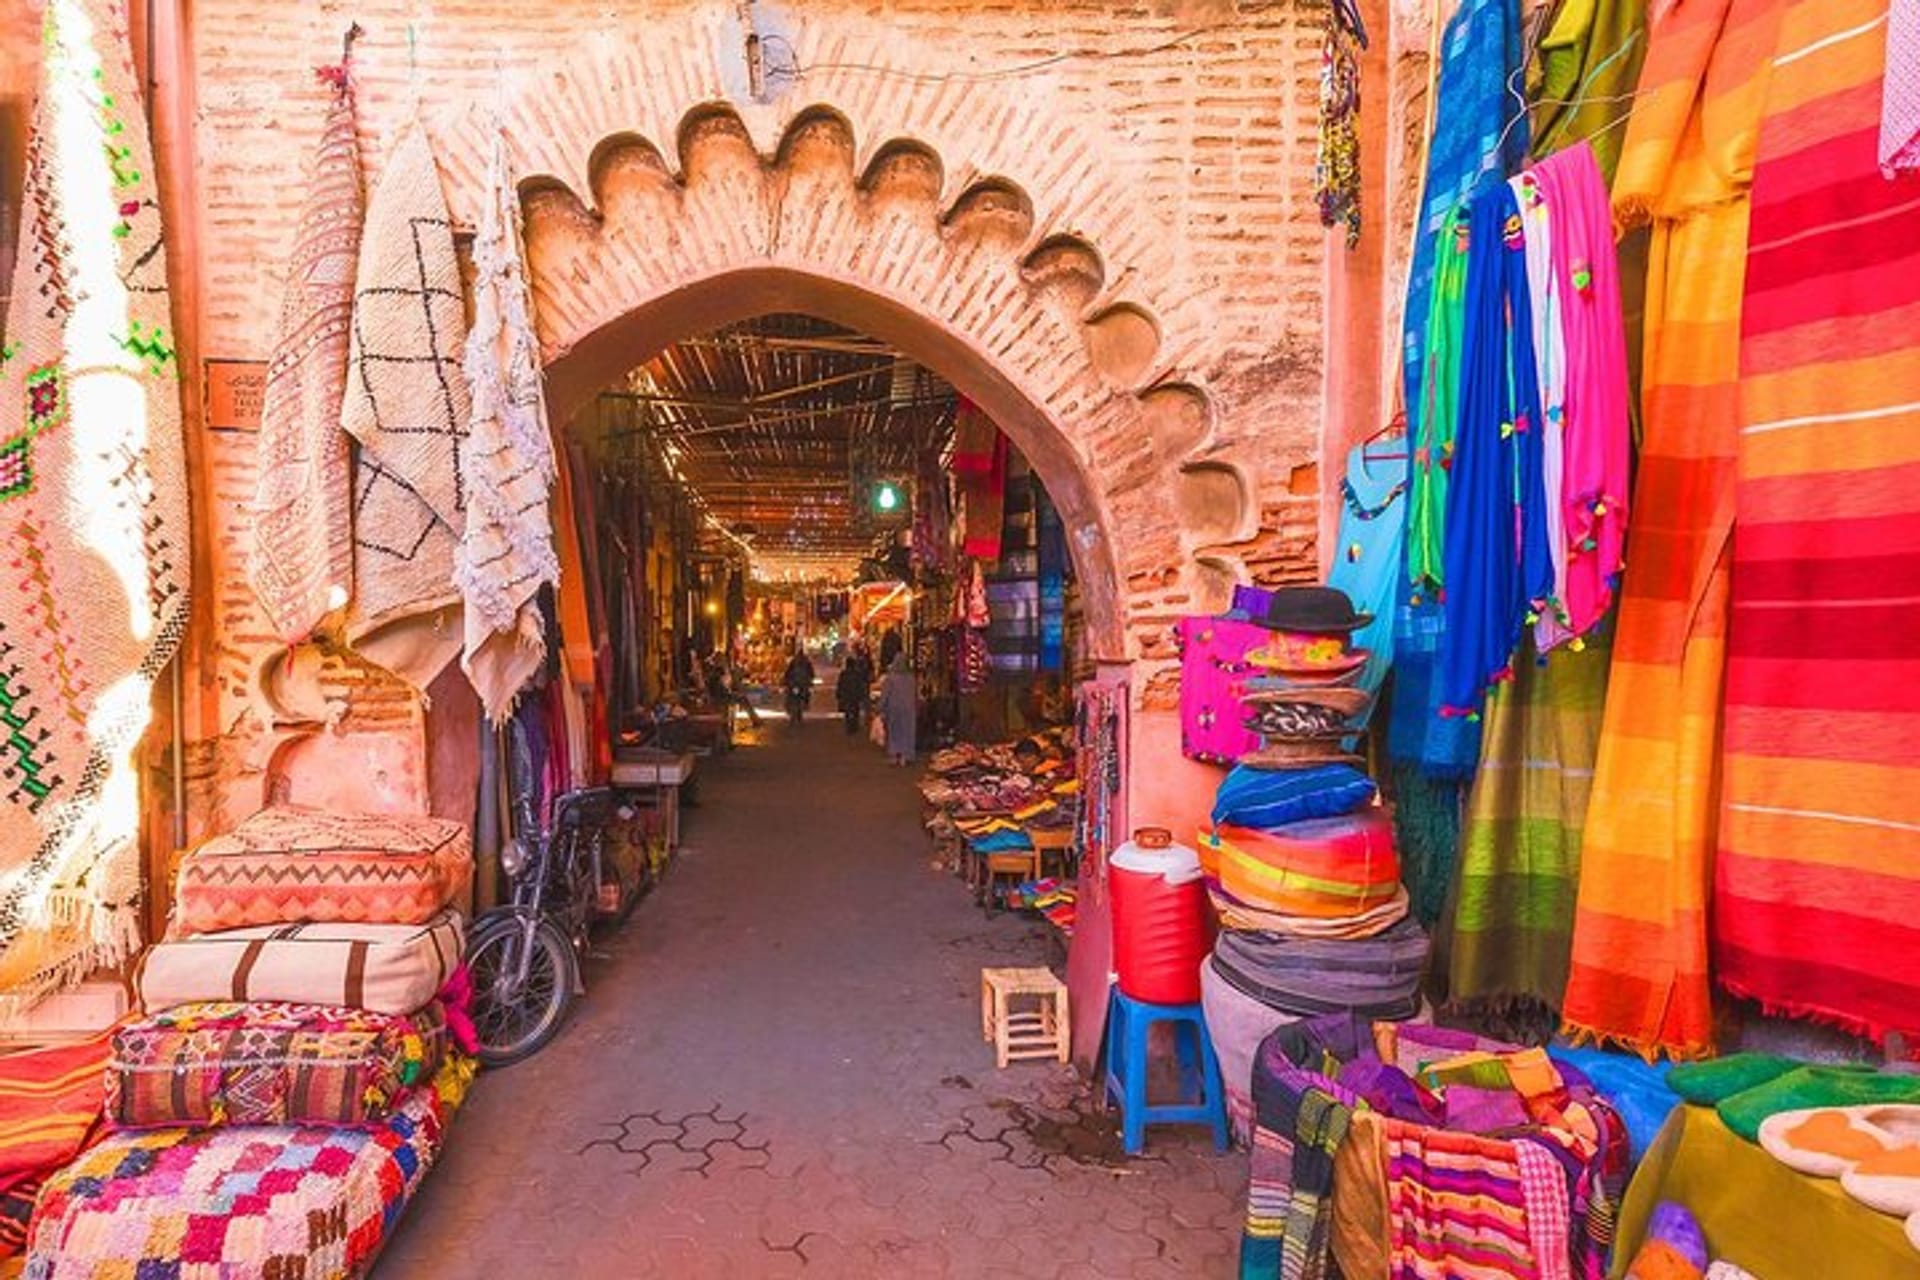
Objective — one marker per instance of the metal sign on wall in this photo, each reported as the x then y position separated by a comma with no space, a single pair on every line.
236,390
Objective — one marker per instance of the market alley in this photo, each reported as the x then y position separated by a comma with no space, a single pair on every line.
778,1068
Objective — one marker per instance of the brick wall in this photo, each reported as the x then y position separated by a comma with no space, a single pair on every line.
1166,157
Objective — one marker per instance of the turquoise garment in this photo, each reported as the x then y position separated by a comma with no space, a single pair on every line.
1479,136
1367,551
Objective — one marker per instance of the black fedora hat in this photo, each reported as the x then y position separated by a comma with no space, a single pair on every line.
1313,610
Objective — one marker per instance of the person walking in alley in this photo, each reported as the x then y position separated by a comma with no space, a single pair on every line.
853,691
798,682
900,710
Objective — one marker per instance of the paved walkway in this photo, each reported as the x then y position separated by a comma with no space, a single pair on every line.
778,1071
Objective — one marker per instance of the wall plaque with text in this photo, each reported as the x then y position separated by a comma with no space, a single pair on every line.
235,391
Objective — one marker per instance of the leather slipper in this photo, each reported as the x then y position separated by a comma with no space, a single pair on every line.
1827,1141
1889,1182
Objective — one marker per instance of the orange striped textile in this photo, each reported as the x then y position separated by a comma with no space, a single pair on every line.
1639,967
1816,904
50,1101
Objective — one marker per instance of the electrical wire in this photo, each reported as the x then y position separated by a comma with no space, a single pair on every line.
800,70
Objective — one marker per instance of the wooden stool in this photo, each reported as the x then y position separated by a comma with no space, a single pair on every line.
1044,1031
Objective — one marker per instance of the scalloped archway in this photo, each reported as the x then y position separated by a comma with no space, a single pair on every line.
958,274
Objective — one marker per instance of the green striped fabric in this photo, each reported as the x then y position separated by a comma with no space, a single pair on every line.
1520,851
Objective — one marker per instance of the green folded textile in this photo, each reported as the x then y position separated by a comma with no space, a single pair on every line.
1708,1083
1836,1086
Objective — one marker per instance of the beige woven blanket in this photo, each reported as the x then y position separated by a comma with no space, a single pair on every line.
93,508
507,464
407,404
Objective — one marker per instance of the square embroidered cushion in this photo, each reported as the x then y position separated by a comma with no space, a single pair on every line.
269,1063
386,968
289,865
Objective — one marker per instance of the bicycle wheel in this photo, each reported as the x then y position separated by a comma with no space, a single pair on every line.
515,1016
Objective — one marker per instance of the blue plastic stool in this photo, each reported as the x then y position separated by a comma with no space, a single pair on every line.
1130,1025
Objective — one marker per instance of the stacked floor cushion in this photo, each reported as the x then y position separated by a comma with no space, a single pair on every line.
1322,868
269,1064
238,1203
1236,1023
1268,798
384,968
287,863
1376,977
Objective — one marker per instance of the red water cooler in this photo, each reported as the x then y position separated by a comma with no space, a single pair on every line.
1160,935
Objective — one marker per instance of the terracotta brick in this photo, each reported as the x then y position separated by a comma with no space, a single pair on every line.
1184,172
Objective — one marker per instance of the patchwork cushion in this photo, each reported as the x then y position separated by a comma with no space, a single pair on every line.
384,968
289,865
240,1203
1267,798
268,1063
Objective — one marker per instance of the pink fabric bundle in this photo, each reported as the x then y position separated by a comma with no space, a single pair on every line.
1213,676
1900,93
1597,446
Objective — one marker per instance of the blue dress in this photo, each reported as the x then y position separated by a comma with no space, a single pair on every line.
1499,567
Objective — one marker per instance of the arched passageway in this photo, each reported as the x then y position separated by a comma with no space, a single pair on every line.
962,271
712,303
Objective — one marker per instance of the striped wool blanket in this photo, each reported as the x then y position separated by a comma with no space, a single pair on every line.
50,1102
1639,969
1520,853
1456,1206
1300,1119
1816,907
1418,1202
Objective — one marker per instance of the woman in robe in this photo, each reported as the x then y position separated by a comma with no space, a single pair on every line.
900,710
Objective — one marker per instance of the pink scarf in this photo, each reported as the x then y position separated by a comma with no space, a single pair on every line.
1900,93
1596,432
456,1001
1213,677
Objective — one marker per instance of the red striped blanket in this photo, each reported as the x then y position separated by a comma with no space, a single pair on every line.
49,1104
1817,875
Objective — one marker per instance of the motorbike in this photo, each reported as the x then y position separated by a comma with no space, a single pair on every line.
525,956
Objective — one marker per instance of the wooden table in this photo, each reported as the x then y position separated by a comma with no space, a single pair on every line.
660,775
